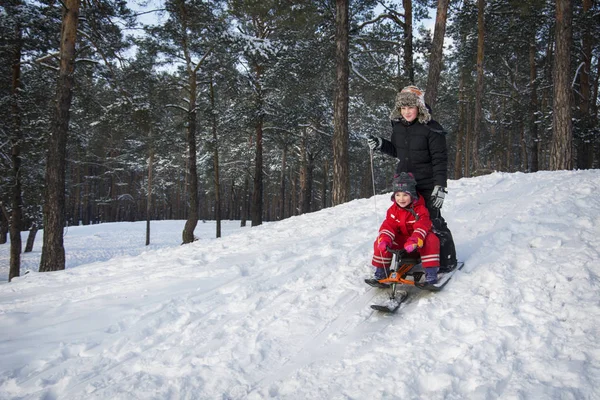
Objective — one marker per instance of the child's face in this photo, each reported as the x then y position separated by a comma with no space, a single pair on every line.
409,113
403,199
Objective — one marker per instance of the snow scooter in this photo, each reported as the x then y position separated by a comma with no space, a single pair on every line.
406,269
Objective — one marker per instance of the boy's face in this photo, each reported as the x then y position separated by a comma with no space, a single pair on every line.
403,199
409,113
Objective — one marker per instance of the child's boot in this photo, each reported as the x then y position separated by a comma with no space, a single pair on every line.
381,273
431,275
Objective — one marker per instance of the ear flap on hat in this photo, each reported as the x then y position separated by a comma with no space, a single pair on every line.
411,96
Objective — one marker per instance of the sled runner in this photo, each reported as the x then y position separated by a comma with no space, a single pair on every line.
406,269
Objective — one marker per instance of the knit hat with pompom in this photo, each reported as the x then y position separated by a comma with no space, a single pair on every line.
405,182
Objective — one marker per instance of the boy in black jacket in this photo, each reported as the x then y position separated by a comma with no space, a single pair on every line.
419,144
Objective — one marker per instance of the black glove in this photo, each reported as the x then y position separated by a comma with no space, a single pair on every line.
374,142
437,196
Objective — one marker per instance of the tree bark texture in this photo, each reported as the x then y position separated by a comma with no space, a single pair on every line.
53,251
16,139
282,196
561,153
409,68
437,52
478,111
341,180
303,174
192,172
257,192
585,152
462,127
533,107
192,168
256,210
149,198
4,217
216,159
31,238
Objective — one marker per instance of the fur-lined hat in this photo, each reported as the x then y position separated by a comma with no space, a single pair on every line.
411,96
405,182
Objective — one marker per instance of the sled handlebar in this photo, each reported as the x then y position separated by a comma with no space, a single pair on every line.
398,252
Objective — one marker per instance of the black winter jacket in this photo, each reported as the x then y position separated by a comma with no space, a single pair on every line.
420,149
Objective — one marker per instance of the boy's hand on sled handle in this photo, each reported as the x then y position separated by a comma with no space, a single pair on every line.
374,142
382,244
438,195
412,244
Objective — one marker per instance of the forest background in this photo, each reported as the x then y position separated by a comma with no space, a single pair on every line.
258,110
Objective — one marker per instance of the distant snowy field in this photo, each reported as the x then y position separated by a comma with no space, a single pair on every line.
102,242
280,311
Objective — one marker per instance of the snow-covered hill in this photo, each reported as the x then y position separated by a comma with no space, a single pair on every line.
280,311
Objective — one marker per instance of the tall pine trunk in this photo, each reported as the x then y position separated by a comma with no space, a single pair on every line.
257,190
341,179
282,197
561,153
478,111
437,51
585,152
53,251
16,139
192,171
409,69
534,139
149,198
216,160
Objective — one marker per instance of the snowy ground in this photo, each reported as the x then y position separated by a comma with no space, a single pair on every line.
280,311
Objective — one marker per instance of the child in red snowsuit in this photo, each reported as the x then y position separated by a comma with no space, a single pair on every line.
407,224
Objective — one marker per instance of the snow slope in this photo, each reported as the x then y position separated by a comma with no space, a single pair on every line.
280,311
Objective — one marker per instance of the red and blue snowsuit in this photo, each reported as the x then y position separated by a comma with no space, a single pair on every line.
402,223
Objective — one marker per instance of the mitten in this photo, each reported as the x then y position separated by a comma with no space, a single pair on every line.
413,244
383,242
374,142
437,196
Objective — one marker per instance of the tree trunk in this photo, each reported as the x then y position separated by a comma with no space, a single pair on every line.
149,198
594,109
341,179
303,174
216,160
524,161
585,152
409,69
533,107
244,198
3,224
561,153
192,172
437,51
308,200
294,193
53,251
282,213
479,85
257,190
16,139
76,196
325,183
462,127
31,238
